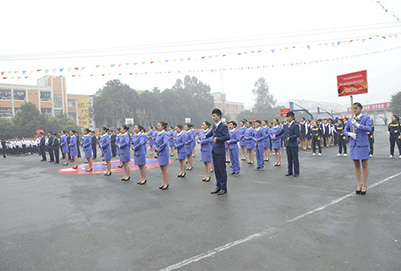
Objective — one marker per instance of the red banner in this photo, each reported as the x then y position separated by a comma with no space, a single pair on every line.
352,83
373,107
283,112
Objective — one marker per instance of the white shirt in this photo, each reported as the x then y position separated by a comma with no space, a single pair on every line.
217,124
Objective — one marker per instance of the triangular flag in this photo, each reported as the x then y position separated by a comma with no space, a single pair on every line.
31,71
46,70
61,69
4,78
76,68
83,68
2,73
273,50
112,65
308,46
166,60
54,70
23,72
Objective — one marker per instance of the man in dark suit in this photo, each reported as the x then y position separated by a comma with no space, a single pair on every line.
94,145
50,147
78,144
56,145
220,136
291,144
113,143
4,147
42,146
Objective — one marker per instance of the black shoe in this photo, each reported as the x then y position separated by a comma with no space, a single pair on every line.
222,192
75,167
257,168
107,174
364,192
207,180
142,183
182,176
236,174
358,191
296,175
161,187
126,180
42,160
216,191
165,188
120,166
227,162
288,174
232,173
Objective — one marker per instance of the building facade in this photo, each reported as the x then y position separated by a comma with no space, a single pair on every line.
229,108
50,97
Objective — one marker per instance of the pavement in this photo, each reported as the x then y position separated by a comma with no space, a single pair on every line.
55,221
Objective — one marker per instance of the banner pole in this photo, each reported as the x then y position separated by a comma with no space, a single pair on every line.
352,112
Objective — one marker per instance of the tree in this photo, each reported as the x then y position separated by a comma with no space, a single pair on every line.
27,120
396,104
6,129
264,100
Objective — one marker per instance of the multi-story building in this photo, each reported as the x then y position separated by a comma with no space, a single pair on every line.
50,97
229,108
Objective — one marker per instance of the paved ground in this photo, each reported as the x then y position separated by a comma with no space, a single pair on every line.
53,221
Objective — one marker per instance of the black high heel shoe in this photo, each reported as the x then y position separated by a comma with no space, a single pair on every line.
165,188
65,164
89,170
125,180
364,192
208,180
107,174
141,183
161,187
75,167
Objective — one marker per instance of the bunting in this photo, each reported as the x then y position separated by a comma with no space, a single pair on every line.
381,4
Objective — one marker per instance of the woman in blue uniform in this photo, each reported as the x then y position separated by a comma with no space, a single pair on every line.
124,152
118,139
189,146
64,146
138,145
150,140
357,130
242,142
259,138
233,147
276,141
250,142
74,148
161,148
105,146
206,150
266,142
87,148
180,140
192,129
171,135
394,130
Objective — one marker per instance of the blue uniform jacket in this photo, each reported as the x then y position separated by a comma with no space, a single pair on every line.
180,142
234,139
261,136
362,139
222,135
139,144
207,143
292,135
250,134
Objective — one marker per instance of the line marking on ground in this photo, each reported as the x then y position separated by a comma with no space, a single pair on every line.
266,231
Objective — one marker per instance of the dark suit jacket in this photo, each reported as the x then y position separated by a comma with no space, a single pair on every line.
42,142
222,135
94,141
293,134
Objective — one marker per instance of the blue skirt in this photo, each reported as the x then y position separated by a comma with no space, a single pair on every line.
182,155
140,160
266,143
359,153
107,153
163,157
277,144
206,156
188,149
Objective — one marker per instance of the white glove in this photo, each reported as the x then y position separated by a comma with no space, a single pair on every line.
354,122
353,135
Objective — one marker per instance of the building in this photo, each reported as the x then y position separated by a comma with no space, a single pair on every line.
229,108
50,97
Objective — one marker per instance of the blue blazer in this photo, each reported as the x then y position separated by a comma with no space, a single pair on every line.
207,143
42,142
64,144
180,142
261,136
362,138
50,142
124,147
222,135
56,143
139,144
292,135
234,139
250,134
87,142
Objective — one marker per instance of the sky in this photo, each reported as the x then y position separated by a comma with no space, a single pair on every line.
49,34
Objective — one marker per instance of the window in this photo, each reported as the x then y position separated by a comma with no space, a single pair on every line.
72,116
19,95
6,112
58,112
5,94
72,103
58,101
47,111
17,110
45,96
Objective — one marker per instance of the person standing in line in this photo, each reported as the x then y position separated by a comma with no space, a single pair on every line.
138,145
341,138
113,138
394,130
250,142
180,141
56,144
171,135
4,147
64,146
150,140
42,146
155,132
259,138
371,138
118,139
266,142
192,129
316,138
189,146
124,152
276,141
50,147
74,148
161,148
292,145
94,145
206,150
359,145
242,141
302,133
78,144
87,148
308,135
233,148
104,143
220,136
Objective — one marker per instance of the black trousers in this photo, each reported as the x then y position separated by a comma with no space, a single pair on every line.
57,154
219,163
342,144
4,152
371,142
94,151
316,141
51,153
43,153
113,149
292,158
393,140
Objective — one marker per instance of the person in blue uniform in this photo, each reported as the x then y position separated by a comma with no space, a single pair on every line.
155,132
266,142
64,146
171,135
357,130
302,133
371,139
228,160
138,145
87,148
118,139
104,143
259,138
308,134
206,150
276,141
292,145
74,148
394,130
250,142
150,140
341,138
113,138
233,148
220,136
189,146
42,146
78,144
242,142
94,145
56,150
50,147
180,140
125,152
316,137
161,147
192,129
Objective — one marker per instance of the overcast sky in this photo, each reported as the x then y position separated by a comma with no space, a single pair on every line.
209,28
